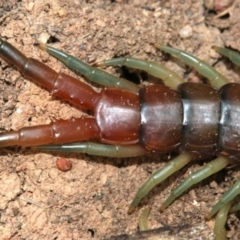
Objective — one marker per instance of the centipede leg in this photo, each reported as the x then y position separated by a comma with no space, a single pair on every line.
142,220
226,198
220,221
212,167
216,79
159,176
235,208
116,151
170,78
232,55
93,74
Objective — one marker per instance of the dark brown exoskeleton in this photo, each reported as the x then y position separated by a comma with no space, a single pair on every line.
129,120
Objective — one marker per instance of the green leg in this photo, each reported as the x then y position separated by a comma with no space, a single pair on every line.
216,79
159,176
93,74
235,208
226,198
232,55
209,169
142,220
170,78
220,221
98,149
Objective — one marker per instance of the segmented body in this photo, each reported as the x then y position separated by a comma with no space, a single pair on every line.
129,120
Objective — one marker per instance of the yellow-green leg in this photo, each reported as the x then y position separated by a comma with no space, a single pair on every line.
142,220
212,167
170,78
92,73
159,176
216,79
220,221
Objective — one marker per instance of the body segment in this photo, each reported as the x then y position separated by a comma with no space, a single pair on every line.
200,134
161,118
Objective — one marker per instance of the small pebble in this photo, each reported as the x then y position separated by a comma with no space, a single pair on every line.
63,164
185,32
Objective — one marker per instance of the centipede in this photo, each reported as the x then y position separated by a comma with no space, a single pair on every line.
131,120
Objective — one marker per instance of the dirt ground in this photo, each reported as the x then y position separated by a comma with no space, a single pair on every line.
37,201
